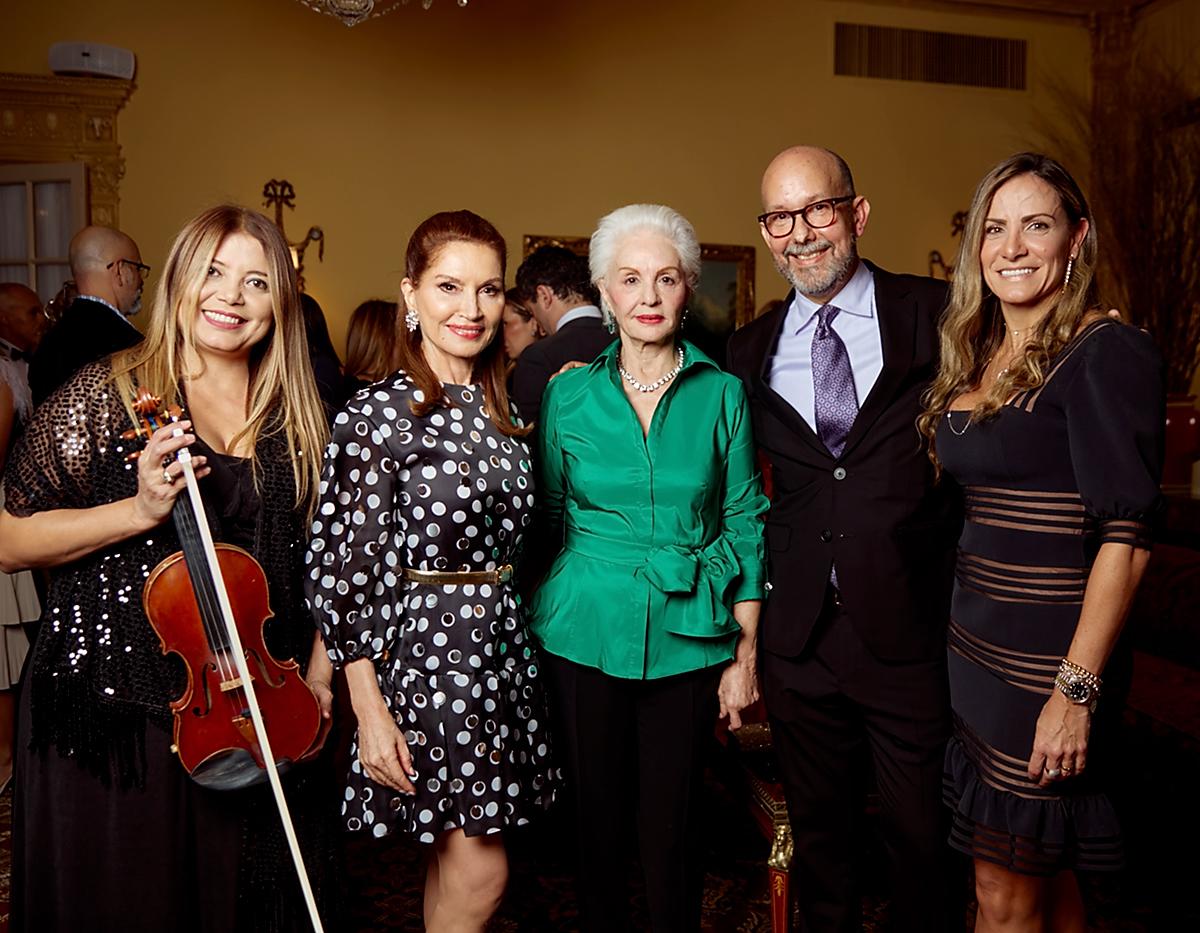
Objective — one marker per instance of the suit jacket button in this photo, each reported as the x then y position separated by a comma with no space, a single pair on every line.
826,535
839,472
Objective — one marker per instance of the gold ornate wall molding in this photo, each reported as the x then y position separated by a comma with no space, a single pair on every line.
48,118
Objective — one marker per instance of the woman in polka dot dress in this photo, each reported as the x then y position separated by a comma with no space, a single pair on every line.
425,496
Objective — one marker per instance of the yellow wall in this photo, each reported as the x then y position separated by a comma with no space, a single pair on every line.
539,114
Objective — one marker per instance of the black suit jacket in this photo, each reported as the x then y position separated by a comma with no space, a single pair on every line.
581,339
86,332
876,510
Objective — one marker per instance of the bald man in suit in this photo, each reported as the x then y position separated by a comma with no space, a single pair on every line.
109,275
860,544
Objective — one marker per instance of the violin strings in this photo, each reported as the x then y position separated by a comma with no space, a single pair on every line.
204,588
203,583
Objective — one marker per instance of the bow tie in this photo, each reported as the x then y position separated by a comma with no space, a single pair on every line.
16,355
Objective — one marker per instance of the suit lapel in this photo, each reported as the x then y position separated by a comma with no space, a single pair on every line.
779,406
897,331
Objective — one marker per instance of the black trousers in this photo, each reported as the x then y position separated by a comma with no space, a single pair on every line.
835,711
635,746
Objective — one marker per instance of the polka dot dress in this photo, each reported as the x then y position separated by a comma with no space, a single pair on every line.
455,664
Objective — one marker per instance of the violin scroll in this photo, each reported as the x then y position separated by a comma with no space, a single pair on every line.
152,415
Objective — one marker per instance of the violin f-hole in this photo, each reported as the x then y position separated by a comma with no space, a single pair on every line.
204,692
263,675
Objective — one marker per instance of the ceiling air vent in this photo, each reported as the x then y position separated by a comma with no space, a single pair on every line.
920,55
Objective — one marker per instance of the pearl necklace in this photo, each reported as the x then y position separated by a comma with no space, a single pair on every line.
657,383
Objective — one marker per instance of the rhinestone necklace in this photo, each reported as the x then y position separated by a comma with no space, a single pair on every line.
950,423
657,383
1000,375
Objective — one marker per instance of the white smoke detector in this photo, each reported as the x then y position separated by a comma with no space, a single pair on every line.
92,60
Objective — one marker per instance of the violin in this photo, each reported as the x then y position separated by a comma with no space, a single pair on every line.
244,716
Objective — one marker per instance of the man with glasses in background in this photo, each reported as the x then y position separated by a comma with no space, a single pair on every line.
109,275
861,544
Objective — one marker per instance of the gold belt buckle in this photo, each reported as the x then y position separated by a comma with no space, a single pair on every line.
504,573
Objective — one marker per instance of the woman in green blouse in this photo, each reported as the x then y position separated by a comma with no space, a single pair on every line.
648,615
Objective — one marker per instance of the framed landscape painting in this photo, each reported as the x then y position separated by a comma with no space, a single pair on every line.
723,301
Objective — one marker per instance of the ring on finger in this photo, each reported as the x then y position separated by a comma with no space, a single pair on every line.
168,478
1053,773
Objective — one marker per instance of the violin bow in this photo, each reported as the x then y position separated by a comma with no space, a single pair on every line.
184,457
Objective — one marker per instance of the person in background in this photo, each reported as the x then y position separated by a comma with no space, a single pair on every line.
521,328
22,323
555,285
372,345
326,367
1050,414
648,616
109,275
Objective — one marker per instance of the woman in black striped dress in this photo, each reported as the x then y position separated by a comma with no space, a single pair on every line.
1050,415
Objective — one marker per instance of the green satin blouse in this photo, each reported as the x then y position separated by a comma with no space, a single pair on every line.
660,535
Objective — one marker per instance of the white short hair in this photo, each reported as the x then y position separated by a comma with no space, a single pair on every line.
637,218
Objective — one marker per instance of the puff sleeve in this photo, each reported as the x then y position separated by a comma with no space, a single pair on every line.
354,559
744,502
1115,408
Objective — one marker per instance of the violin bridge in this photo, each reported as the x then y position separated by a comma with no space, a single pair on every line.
234,683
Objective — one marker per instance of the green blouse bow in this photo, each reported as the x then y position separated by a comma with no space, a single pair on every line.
663,532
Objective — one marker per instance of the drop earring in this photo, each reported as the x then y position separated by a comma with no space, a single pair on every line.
1070,268
410,320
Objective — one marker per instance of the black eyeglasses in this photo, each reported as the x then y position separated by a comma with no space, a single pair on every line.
817,215
142,268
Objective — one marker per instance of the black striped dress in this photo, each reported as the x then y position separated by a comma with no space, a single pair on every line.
1059,471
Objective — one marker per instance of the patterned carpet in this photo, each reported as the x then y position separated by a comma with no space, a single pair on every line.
1161,818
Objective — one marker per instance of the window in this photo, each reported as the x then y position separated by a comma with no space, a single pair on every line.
41,208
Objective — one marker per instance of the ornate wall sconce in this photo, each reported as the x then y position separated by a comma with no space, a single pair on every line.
938,267
280,194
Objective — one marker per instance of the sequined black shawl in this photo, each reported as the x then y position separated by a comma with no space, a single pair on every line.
97,675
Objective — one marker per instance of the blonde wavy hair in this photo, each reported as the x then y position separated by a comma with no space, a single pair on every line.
282,393
972,327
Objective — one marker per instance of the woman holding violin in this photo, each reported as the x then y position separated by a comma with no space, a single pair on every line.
110,831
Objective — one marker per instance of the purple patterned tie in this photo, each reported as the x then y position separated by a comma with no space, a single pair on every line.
835,401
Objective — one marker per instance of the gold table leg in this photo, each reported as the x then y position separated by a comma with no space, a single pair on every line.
779,865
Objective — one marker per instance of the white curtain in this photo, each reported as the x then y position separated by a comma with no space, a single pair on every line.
50,279
14,216
52,219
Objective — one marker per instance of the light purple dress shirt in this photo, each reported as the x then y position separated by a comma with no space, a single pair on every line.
791,374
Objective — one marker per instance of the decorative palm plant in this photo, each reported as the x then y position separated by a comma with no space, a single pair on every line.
1141,138
1146,197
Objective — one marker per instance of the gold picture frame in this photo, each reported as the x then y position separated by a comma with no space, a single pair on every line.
725,298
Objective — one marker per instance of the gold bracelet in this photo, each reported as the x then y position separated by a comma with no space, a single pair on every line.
1070,667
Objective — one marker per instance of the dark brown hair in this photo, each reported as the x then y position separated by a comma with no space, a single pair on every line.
371,340
513,299
490,369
